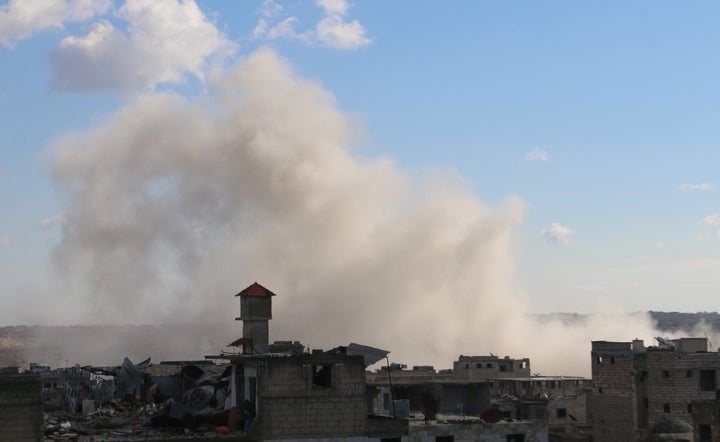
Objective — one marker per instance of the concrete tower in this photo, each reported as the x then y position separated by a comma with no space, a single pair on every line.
255,312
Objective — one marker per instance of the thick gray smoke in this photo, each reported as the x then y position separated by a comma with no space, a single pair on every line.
174,206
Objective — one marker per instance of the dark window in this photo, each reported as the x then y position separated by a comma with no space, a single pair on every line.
489,365
391,439
646,403
707,380
689,408
665,374
666,407
612,360
599,360
523,365
600,390
322,375
561,412
386,401
688,373
705,433
444,438
503,368
467,365
515,438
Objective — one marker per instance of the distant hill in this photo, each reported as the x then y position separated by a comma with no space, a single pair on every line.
676,321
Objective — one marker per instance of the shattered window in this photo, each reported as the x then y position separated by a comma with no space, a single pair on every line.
322,376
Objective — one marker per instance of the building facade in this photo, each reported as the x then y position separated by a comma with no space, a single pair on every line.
640,393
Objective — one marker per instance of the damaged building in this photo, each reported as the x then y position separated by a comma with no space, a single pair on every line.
289,393
652,393
260,390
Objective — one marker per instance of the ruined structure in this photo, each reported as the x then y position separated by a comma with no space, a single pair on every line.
567,396
285,393
644,393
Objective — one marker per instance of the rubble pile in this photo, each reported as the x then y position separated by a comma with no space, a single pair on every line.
142,402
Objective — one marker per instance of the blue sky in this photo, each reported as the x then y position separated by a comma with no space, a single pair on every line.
601,117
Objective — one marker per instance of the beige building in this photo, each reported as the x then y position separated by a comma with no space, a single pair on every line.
475,368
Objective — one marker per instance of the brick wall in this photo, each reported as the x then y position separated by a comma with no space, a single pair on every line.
613,399
20,408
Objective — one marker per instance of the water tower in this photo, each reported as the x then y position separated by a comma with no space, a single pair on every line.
255,312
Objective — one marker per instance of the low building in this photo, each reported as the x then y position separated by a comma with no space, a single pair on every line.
479,368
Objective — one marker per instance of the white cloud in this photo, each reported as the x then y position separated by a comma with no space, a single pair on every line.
557,233
20,19
537,155
165,40
712,220
55,220
702,186
270,9
331,31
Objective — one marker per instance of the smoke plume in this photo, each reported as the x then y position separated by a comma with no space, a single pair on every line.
175,205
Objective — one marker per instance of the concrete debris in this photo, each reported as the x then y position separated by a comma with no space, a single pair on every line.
141,401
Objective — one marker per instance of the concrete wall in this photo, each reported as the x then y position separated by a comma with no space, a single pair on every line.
574,406
21,417
291,405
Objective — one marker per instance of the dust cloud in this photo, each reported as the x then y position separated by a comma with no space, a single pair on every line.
174,205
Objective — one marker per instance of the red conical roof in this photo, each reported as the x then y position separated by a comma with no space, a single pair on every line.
255,289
